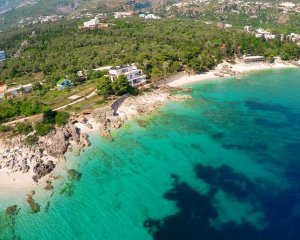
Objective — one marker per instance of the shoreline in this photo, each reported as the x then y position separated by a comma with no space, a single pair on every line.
17,184
101,122
232,70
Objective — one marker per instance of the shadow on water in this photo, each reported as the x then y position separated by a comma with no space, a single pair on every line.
198,210
253,105
67,188
293,119
8,222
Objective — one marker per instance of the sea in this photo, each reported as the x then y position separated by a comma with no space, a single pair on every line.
222,165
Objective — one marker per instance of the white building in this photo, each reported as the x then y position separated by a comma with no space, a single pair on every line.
263,33
123,14
17,90
288,5
2,56
149,16
135,76
248,28
93,23
294,37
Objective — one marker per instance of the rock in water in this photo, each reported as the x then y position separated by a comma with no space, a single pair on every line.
12,210
34,206
41,169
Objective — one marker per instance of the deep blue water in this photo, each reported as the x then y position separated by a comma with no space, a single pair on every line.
223,165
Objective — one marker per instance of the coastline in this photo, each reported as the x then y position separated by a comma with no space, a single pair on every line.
101,121
237,70
18,184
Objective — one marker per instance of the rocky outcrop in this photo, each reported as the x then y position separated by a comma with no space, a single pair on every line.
35,207
84,141
56,144
108,118
41,169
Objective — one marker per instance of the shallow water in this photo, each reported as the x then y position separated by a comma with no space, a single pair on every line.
223,165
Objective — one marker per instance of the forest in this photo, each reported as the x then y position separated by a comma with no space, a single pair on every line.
160,48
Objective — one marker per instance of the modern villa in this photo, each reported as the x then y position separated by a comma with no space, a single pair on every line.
135,76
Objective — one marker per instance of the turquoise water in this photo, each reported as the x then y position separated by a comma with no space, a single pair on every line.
223,165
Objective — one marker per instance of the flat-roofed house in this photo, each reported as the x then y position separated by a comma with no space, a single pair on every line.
17,90
253,59
135,76
92,24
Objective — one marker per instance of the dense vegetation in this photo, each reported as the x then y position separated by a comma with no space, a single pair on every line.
160,48
20,107
62,49
50,119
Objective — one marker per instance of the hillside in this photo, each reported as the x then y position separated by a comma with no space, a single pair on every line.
17,13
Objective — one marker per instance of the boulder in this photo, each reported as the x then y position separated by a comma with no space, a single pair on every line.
41,169
82,119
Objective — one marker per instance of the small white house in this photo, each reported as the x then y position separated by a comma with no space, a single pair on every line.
122,14
227,26
63,83
93,23
17,90
248,28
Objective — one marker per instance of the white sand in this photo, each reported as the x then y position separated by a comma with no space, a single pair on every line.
185,78
240,68
15,184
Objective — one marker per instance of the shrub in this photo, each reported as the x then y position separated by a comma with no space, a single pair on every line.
31,140
61,118
24,128
134,91
42,129
49,116
4,128
104,86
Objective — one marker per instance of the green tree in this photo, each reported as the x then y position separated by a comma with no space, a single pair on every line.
42,129
24,128
61,118
120,85
49,116
31,140
104,86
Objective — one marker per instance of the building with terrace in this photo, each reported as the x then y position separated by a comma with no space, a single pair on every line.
135,76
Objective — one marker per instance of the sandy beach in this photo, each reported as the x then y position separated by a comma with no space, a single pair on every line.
239,69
